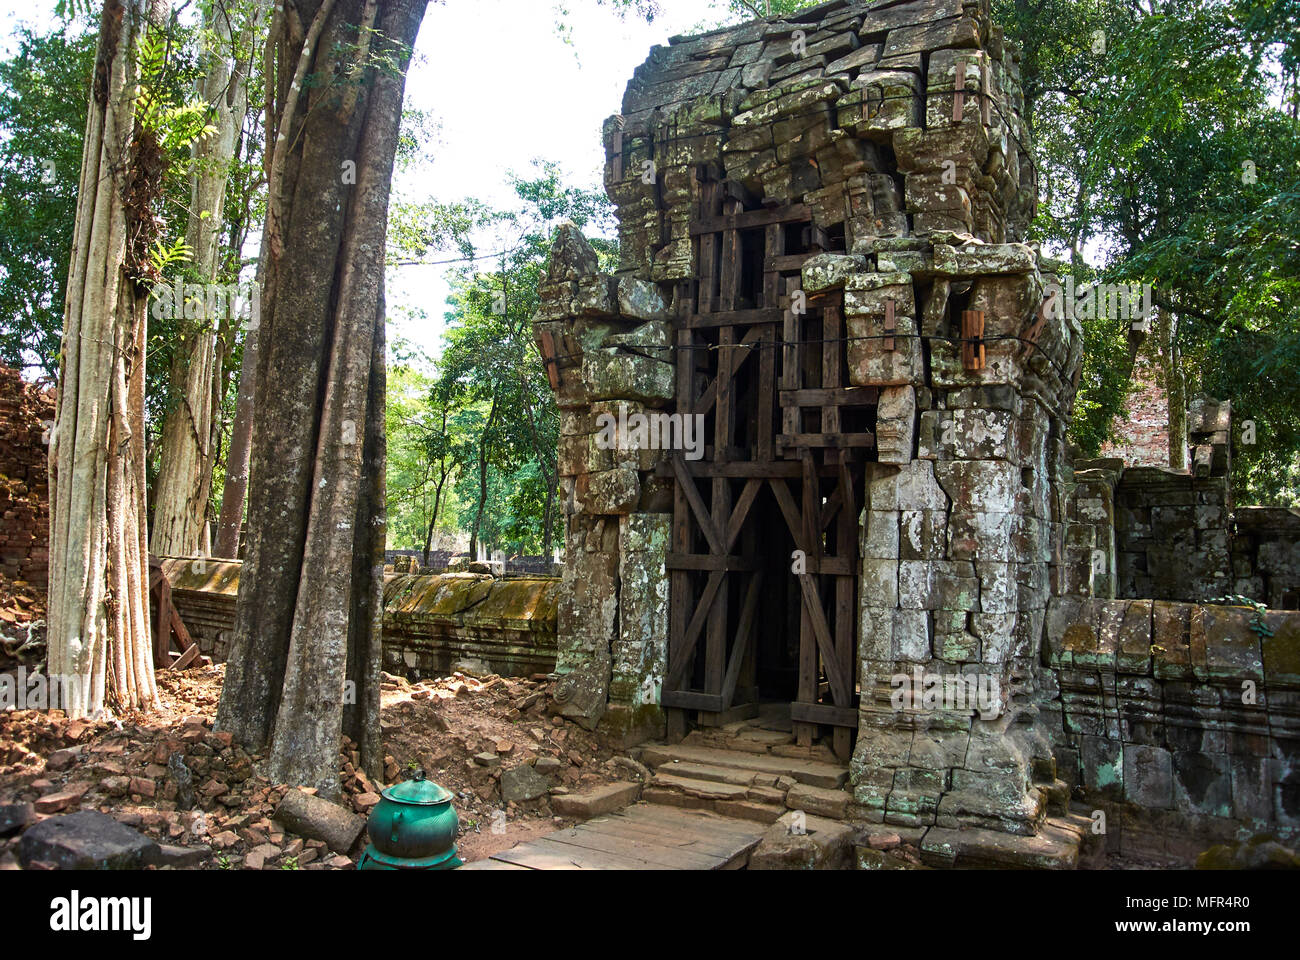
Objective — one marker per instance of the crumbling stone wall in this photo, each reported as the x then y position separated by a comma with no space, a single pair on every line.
607,340
1089,551
1141,431
1139,531
898,127
1173,535
1266,555
432,623
26,412
1181,722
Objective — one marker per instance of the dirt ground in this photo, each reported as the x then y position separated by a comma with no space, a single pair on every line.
464,732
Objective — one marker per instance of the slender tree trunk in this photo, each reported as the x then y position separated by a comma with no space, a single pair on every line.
239,457
304,664
239,449
433,522
1175,387
482,480
99,642
185,461
437,496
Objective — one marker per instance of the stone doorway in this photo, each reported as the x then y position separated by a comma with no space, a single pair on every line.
765,524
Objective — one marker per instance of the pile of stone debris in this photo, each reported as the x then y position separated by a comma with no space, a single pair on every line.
497,742
165,789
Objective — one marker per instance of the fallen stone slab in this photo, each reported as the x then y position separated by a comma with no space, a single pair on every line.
704,789
13,817
522,782
86,840
869,858
180,857
62,799
318,819
800,842
1053,848
592,803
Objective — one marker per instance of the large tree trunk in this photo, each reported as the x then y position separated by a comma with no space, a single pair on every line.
99,643
185,462
304,664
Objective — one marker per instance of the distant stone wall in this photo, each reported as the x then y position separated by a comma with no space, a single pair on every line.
1266,555
25,413
431,622
1173,535
1153,533
1177,720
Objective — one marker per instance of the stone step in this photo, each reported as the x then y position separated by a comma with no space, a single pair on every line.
704,771
814,773
1054,847
704,789
593,803
1058,797
833,804
758,804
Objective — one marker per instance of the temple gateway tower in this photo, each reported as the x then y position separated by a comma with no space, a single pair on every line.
812,449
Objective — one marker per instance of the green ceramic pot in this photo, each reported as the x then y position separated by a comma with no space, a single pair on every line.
414,822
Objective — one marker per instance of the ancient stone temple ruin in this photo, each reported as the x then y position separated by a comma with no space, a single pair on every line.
813,421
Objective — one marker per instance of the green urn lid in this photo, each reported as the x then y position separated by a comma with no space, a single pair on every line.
418,791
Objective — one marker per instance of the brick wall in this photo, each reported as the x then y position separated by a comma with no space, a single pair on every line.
1141,431
25,412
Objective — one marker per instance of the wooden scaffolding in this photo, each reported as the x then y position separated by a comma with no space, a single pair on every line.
764,365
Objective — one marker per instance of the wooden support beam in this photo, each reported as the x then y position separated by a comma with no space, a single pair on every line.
710,561
831,397
682,592
821,631
796,441
741,511
785,263
823,713
677,671
972,335
734,358
687,484
735,318
744,633
796,213
185,659
548,359
832,354
691,700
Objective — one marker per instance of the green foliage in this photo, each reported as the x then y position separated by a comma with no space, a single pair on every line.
489,401
164,71
1161,142
44,88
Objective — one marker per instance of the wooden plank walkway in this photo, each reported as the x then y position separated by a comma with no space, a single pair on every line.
641,837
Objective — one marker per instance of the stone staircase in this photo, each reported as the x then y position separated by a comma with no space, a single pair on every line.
751,770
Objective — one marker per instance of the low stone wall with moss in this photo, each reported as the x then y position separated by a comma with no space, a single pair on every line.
1179,722
432,623
505,626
